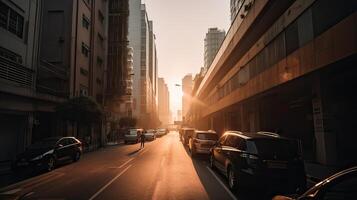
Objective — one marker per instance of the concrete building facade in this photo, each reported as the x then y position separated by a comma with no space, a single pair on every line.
163,102
235,6
19,101
187,84
213,40
287,66
142,40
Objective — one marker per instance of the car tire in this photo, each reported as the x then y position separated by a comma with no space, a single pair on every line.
51,163
232,179
76,156
211,162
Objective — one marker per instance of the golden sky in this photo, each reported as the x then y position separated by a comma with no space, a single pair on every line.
180,27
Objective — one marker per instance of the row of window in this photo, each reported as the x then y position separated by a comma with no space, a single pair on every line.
11,20
314,21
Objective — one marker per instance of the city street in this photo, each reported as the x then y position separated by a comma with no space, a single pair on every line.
162,170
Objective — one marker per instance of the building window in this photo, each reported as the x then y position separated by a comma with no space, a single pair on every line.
101,39
99,82
99,61
84,72
5,53
100,16
85,49
83,90
85,22
11,20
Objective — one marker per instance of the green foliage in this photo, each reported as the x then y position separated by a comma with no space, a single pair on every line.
127,122
80,109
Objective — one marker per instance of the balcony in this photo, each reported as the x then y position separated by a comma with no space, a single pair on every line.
52,79
16,73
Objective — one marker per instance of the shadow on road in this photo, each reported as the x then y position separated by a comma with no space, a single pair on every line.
134,152
201,162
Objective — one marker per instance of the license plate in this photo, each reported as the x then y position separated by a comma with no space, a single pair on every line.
277,165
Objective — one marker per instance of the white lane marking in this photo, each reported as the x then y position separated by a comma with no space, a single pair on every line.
12,191
222,184
143,152
110,182
163,161
126,163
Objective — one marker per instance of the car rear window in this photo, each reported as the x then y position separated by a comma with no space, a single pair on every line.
207,136
133,132
273,147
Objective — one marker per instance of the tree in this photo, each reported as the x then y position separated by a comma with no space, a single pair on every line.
81,110
127,122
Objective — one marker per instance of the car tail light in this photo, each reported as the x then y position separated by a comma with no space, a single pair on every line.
251,160
250,156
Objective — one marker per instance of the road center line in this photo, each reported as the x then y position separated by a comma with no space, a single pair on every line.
222,184
122,165
143,152
110,182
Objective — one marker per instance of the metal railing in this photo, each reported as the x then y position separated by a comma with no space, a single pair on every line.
16,73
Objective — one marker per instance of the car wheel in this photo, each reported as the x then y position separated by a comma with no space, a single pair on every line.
51,163
232,179
76,156
211,163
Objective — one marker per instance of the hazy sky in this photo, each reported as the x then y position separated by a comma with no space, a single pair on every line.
180,27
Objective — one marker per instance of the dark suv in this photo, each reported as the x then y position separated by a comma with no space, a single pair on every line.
260,160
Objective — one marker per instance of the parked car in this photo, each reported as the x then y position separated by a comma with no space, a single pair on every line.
161,131
202,141
340,186
150,134
47,153
133,135
263,161
186,134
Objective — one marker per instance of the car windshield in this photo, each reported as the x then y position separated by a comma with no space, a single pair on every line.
207,136
46,143
273,147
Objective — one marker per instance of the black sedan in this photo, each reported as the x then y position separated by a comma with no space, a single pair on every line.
340,186
46,153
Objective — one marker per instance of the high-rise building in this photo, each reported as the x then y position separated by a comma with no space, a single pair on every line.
164,102
120,58
213,40
186,90
235,6
142,40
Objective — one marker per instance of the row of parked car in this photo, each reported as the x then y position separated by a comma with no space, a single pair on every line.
266,161
133,135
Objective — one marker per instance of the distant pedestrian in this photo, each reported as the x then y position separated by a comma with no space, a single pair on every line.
142,139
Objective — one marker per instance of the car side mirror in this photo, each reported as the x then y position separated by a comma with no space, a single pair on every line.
59,146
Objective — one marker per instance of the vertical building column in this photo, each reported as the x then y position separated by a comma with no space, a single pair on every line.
325,139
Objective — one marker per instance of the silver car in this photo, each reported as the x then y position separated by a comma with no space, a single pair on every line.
202,141
150,134
133,135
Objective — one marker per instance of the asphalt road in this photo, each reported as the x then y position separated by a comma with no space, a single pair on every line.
161,170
